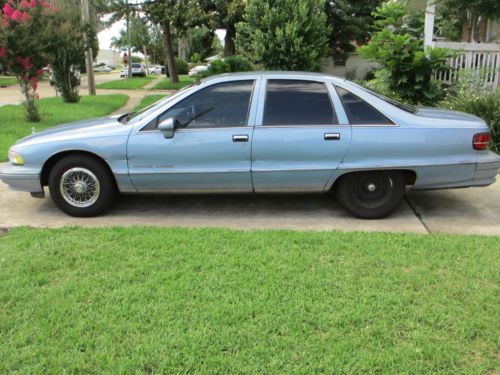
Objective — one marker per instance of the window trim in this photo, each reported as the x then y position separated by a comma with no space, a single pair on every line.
249,109
390,123
264,99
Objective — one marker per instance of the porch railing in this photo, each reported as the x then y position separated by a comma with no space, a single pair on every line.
481,60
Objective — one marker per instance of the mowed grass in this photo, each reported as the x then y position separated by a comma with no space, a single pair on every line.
213,301
7,81
53,111
165,83
134,83
148,100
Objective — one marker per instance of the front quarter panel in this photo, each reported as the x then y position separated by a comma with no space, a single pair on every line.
107,142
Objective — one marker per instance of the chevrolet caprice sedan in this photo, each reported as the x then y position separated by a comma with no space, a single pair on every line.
258,132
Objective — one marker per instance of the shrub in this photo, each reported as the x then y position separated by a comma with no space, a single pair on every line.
182,67
230,64
400,52
23,36
196,58
469,95
285,34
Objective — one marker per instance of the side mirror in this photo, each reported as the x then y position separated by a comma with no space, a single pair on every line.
167,127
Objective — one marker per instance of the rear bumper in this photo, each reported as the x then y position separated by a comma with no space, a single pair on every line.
486,169
20,178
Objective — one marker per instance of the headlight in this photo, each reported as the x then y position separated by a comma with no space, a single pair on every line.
15,158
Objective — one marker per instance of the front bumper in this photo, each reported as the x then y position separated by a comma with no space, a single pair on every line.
21,178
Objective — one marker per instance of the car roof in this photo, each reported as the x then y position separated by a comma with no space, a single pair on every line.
301,75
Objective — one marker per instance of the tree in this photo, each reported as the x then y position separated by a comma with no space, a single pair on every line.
349,22
284,35
66,47
23,37
224,14
398,47
201,42
168,14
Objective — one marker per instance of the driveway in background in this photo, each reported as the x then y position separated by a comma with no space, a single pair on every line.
12,94
461,211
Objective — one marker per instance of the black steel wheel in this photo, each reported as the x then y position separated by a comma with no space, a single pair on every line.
371,194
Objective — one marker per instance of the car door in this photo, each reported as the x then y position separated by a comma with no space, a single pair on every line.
210,151
298,142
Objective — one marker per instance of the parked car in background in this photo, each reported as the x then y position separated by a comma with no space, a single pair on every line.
197,70
157,70
103,69
258,132
138,70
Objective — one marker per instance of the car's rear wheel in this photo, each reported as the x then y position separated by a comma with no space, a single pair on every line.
371,194
81,186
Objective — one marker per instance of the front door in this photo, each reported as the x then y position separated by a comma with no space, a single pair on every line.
210,151
298,143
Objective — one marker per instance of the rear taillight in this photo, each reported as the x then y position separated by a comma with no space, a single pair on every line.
481,141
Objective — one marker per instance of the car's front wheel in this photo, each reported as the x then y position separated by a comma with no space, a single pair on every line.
371,194
81,186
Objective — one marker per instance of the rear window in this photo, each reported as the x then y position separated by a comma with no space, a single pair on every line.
136,66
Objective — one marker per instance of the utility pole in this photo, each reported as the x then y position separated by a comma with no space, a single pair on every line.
128,41
89,60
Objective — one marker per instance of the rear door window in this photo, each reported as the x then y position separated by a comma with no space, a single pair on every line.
297,102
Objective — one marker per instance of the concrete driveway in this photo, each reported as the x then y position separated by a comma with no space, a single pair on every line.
464,211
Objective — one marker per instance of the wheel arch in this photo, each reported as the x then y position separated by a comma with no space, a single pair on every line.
50,162
410,175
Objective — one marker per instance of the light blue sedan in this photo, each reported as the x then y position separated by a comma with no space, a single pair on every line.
258,132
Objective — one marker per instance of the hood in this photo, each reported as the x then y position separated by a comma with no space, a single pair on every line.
446,114
79,129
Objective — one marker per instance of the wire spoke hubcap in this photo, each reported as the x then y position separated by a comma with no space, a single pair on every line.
79,187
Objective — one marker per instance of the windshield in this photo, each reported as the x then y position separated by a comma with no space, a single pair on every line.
126,118
405,107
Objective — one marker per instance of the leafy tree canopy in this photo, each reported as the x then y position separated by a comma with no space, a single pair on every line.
284,35
349,22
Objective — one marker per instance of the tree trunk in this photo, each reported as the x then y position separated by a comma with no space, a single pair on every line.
465,28
483,30
172,69
229,47
146,58
183,47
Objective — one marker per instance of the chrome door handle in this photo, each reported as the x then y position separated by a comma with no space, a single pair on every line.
240,138
332,136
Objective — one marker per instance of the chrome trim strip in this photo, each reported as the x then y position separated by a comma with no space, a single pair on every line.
303,126
196,191
229,128
167,171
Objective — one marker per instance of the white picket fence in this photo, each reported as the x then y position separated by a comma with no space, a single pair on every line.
482,60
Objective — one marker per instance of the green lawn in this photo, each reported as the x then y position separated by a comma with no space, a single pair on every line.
165,84
54,112
134,83
148,100
213,301
7,81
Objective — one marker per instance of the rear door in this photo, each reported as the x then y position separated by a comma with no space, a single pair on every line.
298,142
